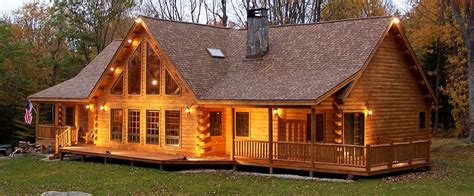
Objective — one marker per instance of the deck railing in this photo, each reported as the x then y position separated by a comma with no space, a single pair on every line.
368,156
65,136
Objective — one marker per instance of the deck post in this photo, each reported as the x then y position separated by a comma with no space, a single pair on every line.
368,154
411,153
392,154
270,139
161,167
131,163
37,120
313,135
233,134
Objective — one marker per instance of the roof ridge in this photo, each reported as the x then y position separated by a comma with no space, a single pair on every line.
185,22
332,21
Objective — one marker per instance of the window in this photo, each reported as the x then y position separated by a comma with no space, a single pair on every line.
116,120
152,126
172,123
134,72
422,120
354,128
242,124
152,71
171,87
70,116
319,127
117,88
215,126
46,113
134,126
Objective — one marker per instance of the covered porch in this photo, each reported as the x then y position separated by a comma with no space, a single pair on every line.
63,124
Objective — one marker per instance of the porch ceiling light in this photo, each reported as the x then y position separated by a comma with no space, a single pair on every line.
112,68
129,41
370,112
138,20
154,82
275,112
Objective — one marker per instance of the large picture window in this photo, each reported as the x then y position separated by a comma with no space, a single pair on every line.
242,124
171,87
134,72
354,128
215,120
152,71
172,123
152,126
116,120
134,126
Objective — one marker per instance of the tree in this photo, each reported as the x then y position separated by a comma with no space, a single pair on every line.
465,20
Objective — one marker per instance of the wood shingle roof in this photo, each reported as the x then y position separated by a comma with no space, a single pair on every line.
303,63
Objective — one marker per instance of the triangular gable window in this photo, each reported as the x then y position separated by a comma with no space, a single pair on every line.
152,71
117,88
134,72
171,87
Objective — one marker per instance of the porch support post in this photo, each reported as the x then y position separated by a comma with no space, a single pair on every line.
234,168
270,139
76,123
37,120
313,136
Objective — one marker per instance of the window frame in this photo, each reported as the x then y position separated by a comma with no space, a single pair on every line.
220,126
167,71
422,120
66,119
111,125
364,126
122,74
138,48
159,126
179,128
128,126
161,67
249,123
308,125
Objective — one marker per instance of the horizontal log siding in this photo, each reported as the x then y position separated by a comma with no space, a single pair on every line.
145,102
389,88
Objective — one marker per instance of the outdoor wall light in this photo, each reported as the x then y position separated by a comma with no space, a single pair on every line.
187,110
396,20
102,107
370,112
129,41
275,112
112,68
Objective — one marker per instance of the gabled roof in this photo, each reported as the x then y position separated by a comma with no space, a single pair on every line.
304,61
82,84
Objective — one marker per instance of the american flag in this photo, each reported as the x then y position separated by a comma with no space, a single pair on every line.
28,112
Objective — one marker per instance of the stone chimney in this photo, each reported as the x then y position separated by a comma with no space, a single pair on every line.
257,33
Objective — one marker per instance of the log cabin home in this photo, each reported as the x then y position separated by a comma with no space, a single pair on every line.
345,97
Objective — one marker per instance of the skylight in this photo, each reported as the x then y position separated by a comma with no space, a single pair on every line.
215,52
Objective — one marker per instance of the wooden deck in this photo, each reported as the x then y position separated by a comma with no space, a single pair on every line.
324,158
141,156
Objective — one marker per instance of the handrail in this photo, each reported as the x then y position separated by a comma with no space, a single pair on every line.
368,156
63,138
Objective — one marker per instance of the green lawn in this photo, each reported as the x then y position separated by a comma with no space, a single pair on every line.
453,173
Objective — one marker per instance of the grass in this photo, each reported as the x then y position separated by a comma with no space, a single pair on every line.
453,173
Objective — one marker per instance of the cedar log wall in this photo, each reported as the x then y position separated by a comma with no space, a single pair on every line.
145,102
390,90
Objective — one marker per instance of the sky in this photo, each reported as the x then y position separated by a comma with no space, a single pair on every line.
7,6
